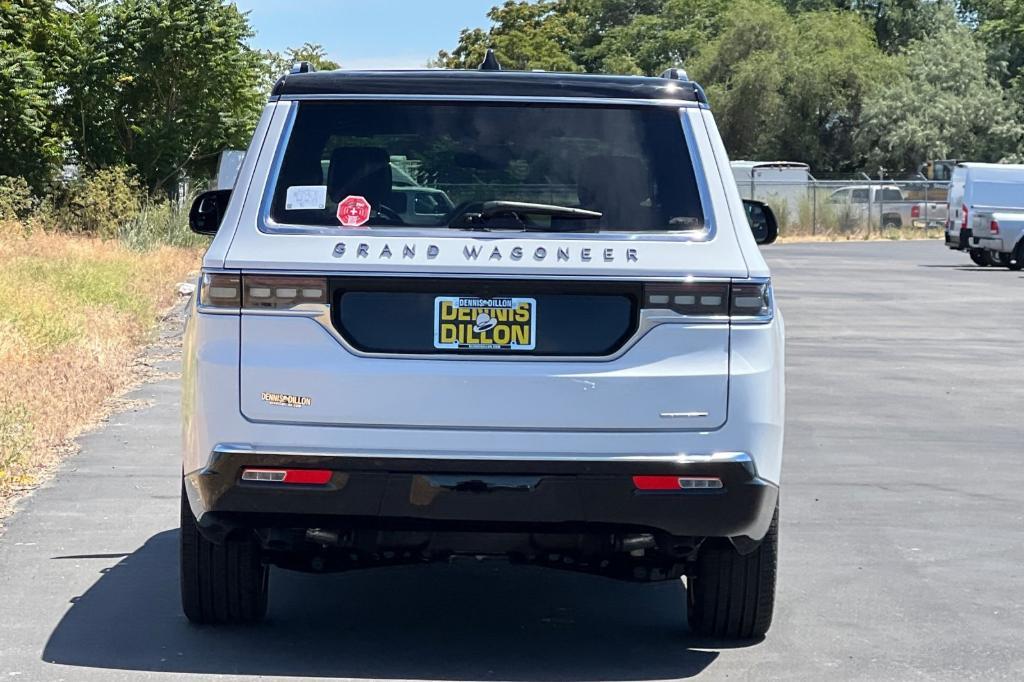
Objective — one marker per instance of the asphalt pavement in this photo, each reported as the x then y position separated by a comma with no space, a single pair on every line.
902,536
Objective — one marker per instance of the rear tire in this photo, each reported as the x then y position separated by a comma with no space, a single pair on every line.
1016,261
733,596
220,583
979,257
998,259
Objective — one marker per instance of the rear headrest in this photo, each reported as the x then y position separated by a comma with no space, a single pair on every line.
360,171
614,185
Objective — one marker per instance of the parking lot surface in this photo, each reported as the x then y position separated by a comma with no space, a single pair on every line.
902,541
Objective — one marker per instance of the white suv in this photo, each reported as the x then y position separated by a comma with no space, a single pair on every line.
579,365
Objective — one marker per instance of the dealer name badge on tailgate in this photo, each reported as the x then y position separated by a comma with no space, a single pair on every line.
470,323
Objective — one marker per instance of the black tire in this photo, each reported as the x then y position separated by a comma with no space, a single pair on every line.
979,257
733,596
225,583
1016,261
998,259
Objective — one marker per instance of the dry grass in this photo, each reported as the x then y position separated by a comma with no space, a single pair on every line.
74,313
793,237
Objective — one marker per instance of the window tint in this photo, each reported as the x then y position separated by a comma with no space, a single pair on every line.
628,163
890,194
859,196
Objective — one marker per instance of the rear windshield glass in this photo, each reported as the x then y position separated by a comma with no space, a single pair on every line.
383,165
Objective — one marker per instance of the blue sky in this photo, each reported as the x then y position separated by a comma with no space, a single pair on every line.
366,34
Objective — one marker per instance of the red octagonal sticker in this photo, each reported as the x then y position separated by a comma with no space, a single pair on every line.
353,211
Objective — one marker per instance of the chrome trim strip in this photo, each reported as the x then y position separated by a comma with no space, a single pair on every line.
682,415
675,458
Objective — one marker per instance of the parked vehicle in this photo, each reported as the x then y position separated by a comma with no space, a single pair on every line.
886,206
784,184
980,186
595,386
1000,234
420,205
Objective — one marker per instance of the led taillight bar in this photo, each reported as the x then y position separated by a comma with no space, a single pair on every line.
746,300
261,292
295,476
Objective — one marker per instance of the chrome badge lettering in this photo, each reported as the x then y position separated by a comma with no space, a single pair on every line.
497,253
286,400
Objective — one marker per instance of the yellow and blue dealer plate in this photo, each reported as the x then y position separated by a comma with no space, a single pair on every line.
470,323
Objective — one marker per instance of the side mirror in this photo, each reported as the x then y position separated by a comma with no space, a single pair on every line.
762,221
208,210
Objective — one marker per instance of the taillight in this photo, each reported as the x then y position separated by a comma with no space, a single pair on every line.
993,227
915,211
697,299
742,300
963,224
220,291
260,292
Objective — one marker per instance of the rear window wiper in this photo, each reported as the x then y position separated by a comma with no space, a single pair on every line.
508,215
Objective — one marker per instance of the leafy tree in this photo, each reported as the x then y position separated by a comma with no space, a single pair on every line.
894,22
315,54
940,103
32,58
524,35
790,87
1000,25
276,64
160,85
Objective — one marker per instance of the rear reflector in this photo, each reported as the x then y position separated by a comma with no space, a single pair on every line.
300,476
677,483
993,227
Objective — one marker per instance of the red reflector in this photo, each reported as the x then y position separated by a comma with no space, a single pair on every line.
677,483
993,227
300,476
310,476
656,482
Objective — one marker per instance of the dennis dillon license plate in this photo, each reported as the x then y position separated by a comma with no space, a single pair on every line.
466,322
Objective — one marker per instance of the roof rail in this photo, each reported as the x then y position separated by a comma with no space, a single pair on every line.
675,73
490,62
302,67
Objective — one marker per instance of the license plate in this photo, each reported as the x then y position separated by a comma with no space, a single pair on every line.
471,323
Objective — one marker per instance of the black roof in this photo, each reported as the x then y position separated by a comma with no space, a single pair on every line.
486,83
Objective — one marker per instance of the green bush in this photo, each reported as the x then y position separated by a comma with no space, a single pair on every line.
17,201
102,202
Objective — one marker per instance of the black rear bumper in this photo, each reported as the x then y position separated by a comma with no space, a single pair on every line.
483,495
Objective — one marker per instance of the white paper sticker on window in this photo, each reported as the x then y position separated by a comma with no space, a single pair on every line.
302,197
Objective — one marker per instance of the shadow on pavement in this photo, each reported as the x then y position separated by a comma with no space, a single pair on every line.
477,621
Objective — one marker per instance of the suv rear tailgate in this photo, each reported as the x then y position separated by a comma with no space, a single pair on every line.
668,376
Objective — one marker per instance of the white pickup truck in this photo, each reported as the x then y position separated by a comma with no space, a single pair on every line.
1000,234
888,206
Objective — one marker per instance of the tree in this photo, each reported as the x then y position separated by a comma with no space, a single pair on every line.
895,22
161,85
790,87
315,54
32,59
940,103
524,35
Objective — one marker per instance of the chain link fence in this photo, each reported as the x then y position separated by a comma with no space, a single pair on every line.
853,208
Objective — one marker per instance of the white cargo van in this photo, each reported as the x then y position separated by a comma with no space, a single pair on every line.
977,186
